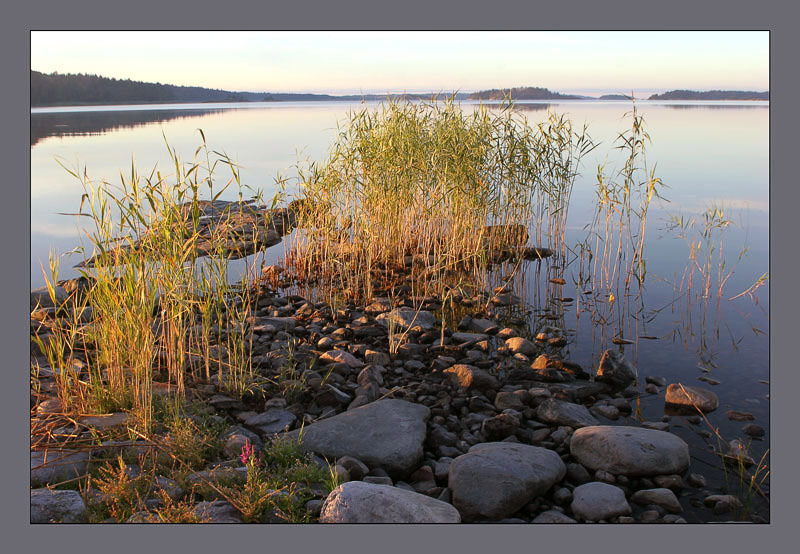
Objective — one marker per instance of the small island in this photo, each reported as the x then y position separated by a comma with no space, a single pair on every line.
522,93
711,95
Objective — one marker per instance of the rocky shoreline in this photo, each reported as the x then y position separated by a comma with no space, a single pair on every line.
422,425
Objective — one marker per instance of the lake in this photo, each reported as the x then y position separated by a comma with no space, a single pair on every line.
708,154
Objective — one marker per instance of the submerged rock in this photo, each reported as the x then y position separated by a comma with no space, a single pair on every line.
615,370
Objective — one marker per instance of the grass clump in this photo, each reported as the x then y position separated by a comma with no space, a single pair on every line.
431,189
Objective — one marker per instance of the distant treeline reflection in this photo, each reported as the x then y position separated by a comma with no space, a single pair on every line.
65,124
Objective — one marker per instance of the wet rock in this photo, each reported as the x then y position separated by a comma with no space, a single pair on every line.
671,482
362,502
558,412
630,451
696,480
386,433
736,415
494,480
664,498
753,430
607,411
57,506
615,370
595,501
467,376
657,381
690,399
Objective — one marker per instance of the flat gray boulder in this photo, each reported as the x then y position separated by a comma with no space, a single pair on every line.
407,318
55,466
386,433
49,506
595,501
558,412
495,479
272,421
631,451
360,502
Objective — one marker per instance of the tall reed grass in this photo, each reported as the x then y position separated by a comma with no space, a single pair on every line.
433,190
157,306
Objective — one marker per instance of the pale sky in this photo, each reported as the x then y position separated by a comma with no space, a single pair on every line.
418,61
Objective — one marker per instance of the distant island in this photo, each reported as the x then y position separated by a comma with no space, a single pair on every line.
80,89
711,95
522,93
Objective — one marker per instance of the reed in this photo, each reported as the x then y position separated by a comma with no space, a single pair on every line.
430,190
158,307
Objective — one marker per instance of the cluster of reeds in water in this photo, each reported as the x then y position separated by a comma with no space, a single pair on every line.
433,190
155,306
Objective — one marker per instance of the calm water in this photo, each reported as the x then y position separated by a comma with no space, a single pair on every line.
708,154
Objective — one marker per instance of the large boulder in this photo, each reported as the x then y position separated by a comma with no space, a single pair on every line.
686,399
360,502
495,479
386,433
631,451
615,370
50,506
558,412
595,501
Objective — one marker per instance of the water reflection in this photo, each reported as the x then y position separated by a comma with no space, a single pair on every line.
69,124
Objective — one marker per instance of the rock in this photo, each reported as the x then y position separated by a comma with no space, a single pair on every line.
57,506
607,411
630,451
355,468
279,323
753,430
664,498
41,297
217,511
106,421
690,399
499,427
486,326
462,338
407,318
495,479
615,370
558,412
387,433
728,499
696,480
236,437
50,467
657,381
553,516
595,501
511,400
341,357
379,358
467,376
362,502
736,415
272,421
519,345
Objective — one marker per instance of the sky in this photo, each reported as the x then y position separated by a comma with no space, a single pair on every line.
342,62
